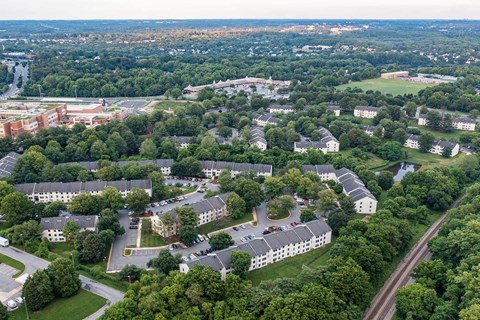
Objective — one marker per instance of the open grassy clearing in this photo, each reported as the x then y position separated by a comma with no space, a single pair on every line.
223,223
13,263
149,238
77,307
291,267
391,86
173,105
454,135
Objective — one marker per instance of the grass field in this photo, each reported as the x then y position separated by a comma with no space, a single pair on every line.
174,105
454,135
74,308
291,267
13,263
394,87
223,223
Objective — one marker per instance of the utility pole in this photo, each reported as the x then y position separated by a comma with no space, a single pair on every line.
26,309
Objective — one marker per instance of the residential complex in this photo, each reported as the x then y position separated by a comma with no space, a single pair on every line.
16,118
165,165
328,143
46,192
335,109
208,210
182,142
438,146
268,249
395,75
264,120
52,228
214,168
365,112
459,123
281,109
258,138
353,187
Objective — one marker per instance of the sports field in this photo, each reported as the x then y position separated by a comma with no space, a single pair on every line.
394,87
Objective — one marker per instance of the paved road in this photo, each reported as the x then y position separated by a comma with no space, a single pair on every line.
383,304
33,263
13,90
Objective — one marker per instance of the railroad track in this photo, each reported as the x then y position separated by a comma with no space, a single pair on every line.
383,304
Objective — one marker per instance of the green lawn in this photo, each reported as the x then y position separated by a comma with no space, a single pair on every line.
223,223
394,87
291,267
174,105
13,263
150,238
74,308
454,135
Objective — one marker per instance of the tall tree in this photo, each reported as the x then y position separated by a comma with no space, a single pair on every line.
165,262
70,231
236,206
111,198
17,208
221,241
137,200
65,281
38,291
240,262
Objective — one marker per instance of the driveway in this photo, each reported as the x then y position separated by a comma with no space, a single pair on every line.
33,263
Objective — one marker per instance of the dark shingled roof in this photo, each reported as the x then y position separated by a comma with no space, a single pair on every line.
366,108
211,261
7,164
59,223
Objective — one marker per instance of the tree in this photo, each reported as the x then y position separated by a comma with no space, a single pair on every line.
38,291
54,209
187,234
90,247
426,141
137,200
344,141
17,208
411,109
240,262
109,221
348,206
391,150
326,200
400,135
236,206
292,178
131,272
280,207
385,180
447,152
434,120
165,262
187,216
70,231
221,241
415,301
85,204
250,191
5,189
27,234
64,279
3,312
111,198
148,149
470,313
307,215
273,187
189,167
176,93
226,181
338,220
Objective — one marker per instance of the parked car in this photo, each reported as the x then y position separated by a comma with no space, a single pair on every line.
243,226
11,304
200,191
235,228
192,256
133,226
265,232
130,213
135,219
185,258
19,300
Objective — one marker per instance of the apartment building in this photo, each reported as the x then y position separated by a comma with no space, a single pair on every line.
214,168
438,146
353,187
465,124
395,75
258,138
46,192
7,164
52,228
328,143
365,112
165,165
329,140
182,142
335,109
243,83
268,249
281,109
264,120
208,210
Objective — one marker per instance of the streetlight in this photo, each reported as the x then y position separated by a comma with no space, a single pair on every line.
26,309
129,281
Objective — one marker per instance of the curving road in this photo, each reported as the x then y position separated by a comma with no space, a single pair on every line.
14,90
33,263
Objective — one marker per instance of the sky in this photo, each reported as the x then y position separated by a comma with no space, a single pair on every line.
244,9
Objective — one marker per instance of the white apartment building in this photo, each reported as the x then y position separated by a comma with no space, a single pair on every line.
465,124
165,165
335,109
353,187
46,192
269,248
52,228
329,140
258,138
281,109
438,146
214,168
264,120
365,112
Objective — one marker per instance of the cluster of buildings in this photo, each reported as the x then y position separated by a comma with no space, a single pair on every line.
182,141
16,118
268,249
209,168
262,120
266,87
368,112
208,210
438,146
460,123
395,75
7,164
258,138
328,143
46,192
289,109
52,228
353,187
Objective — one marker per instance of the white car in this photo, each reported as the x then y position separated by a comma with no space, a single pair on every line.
11,304
185,258
19,300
